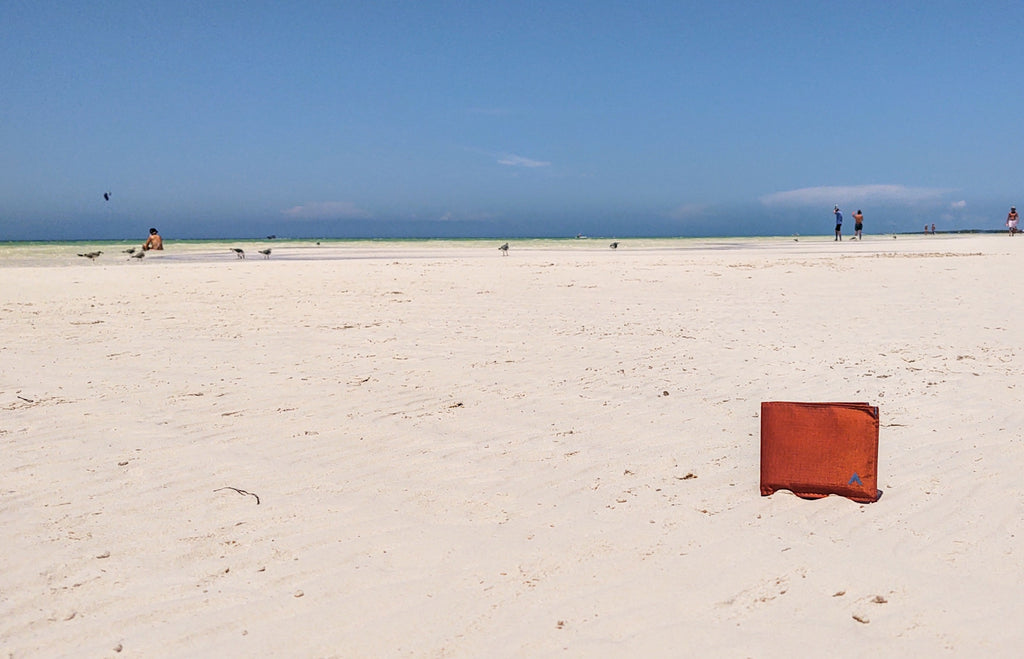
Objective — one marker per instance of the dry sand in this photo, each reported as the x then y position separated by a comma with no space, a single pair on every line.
460,454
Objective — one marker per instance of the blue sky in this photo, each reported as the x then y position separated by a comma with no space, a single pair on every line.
381,118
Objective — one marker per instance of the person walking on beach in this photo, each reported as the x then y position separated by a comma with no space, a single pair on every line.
858,225
1011,221
153,242
839,223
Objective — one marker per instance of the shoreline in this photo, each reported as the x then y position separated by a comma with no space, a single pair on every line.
67,253
457,239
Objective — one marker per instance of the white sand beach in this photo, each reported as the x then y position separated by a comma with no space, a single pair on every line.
434,450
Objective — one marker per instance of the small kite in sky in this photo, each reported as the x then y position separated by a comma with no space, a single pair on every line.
106,196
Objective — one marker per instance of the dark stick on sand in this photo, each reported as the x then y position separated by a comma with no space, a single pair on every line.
228,487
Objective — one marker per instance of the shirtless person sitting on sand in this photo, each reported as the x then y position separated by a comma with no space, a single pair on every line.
154,241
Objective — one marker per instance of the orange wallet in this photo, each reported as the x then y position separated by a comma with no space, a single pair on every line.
818,449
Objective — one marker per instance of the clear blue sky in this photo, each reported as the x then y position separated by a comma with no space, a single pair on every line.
223,119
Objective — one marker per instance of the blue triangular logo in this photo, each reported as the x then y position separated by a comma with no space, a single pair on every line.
855,479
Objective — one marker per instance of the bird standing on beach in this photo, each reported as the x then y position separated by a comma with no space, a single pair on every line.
238,252
91,255
504,249
614,245
137,256
265,253
130,250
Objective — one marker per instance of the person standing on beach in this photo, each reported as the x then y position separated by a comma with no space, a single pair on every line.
858,225
153,242
839,223
1011,220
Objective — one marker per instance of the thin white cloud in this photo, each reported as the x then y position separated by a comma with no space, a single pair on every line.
959,205
513,160
326,210
844,194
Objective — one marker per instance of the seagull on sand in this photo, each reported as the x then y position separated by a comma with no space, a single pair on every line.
238,252
504,249
138,256
130,250
265,253
614,245
91,255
